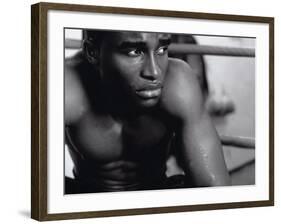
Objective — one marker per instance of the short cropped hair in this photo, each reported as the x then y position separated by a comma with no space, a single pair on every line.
94,36
92,40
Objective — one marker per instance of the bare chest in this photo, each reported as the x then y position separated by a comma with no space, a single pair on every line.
104,139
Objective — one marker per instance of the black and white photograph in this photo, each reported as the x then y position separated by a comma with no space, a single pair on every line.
149,111
157,111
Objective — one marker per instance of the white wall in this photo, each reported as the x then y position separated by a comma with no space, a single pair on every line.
15,112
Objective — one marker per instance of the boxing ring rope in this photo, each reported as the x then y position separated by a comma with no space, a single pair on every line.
241,165
189,49
238,141
244,143
211,50
234,141
72,44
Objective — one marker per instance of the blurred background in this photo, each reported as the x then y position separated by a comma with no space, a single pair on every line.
227,80
232,79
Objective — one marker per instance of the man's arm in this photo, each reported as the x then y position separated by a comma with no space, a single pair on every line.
199,147
75,98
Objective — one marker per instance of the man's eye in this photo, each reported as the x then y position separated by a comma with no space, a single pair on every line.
162,50
134,53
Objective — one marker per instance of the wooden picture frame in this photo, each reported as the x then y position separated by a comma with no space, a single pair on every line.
40,147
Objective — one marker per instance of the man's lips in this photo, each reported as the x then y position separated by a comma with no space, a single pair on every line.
149,93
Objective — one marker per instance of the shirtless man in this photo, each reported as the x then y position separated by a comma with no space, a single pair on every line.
126,105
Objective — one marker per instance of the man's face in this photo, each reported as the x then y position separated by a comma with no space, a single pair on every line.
135,65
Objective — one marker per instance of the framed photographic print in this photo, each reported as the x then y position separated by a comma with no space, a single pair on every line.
138,111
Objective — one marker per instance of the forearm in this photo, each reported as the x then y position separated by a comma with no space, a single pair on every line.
202,156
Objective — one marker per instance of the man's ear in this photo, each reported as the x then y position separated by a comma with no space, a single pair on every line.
91,52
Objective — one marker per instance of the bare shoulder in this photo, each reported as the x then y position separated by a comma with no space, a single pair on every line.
181,93
75,98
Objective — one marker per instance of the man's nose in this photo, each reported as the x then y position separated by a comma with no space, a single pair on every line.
151,68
